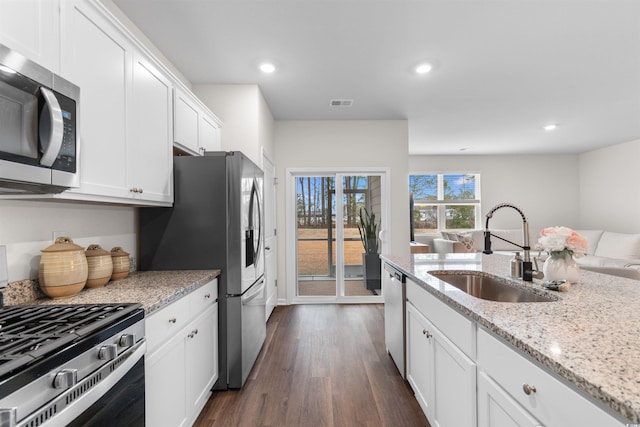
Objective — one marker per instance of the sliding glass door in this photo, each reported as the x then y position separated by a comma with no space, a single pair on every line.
328,245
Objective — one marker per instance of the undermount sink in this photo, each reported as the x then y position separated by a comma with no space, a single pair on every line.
484,286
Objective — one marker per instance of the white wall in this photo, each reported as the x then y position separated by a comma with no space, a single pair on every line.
544,187
345,144
247,121
608,188
26,228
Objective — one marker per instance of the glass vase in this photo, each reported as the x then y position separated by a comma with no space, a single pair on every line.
561,267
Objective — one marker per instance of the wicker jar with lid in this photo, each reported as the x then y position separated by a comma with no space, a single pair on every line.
121,263
63,269
100,266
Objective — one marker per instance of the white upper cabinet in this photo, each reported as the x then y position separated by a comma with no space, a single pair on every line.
151,158
196,129
98,59
131,108
32,27
209,131
125,111
185,133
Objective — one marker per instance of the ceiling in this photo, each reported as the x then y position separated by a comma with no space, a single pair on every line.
502,69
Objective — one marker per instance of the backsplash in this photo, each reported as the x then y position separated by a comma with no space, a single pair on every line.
27,227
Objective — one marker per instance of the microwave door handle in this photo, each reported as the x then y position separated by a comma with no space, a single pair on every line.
51,138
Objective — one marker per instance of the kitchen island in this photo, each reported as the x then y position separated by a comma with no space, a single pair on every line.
587,339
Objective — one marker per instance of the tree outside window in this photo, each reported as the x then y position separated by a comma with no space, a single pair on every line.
445,202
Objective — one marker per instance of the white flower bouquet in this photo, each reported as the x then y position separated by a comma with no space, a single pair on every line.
562,241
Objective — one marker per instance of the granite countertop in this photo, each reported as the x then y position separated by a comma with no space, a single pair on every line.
590,336
152,289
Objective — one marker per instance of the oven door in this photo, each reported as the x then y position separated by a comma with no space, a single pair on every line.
112,396
122,405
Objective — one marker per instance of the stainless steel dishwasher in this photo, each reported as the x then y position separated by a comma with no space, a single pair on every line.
394,292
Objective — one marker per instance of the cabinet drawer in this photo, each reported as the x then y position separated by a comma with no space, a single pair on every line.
553,403
203,297
166,323
456,327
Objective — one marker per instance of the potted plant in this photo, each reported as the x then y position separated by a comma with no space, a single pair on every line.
368,229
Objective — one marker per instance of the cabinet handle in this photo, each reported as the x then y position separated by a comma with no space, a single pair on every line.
193,333
207,296
172,320
140,190
426,333
528,389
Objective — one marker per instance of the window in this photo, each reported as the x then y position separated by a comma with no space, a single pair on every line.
444,202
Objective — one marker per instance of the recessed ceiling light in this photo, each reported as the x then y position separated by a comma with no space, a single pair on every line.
267,67
423,68
550,127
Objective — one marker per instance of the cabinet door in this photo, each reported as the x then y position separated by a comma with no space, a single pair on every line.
166,385
209,133
454,383
420,359
497,408
202,359
97,58
150,148
186,122
32,27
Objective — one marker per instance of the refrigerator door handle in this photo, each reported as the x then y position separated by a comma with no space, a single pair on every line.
256,290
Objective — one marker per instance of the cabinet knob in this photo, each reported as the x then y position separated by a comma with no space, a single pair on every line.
528,389
426,333
172,320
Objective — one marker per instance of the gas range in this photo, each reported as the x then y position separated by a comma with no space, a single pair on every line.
58,361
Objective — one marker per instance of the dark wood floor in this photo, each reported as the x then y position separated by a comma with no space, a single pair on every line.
321,365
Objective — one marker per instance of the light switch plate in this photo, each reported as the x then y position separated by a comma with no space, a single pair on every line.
4,270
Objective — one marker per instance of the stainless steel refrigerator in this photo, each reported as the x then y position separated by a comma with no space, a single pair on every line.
216,223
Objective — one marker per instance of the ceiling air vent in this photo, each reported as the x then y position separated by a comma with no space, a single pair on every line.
341,102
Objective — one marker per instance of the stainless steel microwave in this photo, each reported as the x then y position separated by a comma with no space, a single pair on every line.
38,128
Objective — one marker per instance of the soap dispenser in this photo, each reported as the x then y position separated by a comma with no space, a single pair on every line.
516,266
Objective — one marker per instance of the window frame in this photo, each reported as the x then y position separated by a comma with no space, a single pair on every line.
441,203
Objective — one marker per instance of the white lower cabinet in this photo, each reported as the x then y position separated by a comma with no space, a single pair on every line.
497,409
181,365
166,386
463,375
527,394
443,377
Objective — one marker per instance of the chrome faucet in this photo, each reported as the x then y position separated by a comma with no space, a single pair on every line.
528,273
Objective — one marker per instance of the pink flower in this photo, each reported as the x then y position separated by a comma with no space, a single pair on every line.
560,239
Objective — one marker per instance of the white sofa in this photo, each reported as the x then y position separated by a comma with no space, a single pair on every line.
609,252
473,241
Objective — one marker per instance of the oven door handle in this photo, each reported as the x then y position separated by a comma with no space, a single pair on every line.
82,403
